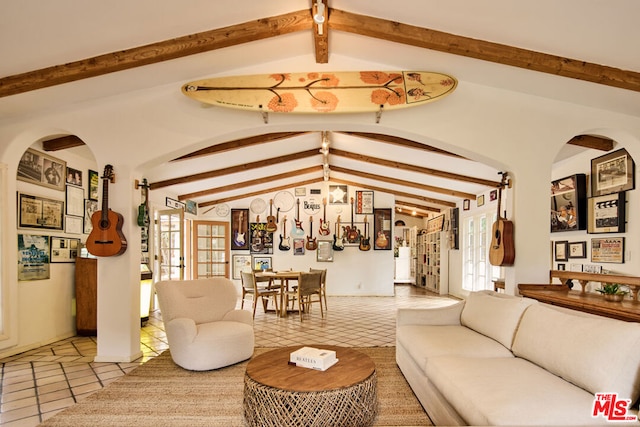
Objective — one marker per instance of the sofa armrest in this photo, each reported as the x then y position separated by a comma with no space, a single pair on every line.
243,316
181,331
449,315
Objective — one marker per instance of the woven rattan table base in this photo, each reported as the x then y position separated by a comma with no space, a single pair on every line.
348,406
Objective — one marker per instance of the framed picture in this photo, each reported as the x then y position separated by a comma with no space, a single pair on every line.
493,195
569,203
64,249
262,263
239,229
73,224
300,191
561,266
40,168
33,257
608,249
382,229
338,194
325,251
240,263
612,173
40,212
191,207
591,268
75,200
90,207
74,177
480,200
466,204
607,213
94,184
575,267
260,240
561,250
435,224
577,249
298,246
364,202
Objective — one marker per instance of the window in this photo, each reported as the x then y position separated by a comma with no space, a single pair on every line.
478,273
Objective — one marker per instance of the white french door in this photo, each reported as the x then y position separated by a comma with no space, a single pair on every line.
170,244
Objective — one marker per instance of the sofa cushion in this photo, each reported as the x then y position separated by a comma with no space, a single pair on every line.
596,353
509,391
494,315
423,342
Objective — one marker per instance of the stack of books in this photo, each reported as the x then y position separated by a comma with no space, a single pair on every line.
313,358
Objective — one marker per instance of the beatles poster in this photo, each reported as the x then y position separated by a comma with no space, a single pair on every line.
33,257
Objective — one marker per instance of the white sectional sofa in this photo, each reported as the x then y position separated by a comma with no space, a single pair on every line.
495,359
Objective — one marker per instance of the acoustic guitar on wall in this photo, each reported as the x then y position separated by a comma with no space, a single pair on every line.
502,250
106,238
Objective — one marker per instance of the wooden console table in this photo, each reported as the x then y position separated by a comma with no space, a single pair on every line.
589,302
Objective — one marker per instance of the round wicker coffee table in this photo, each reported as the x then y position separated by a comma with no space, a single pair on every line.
279,394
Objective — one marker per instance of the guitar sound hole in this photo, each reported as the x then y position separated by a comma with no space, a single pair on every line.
104,224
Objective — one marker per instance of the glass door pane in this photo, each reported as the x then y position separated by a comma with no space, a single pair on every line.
210,249
169,247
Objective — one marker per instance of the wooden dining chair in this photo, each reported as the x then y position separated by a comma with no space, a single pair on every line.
250,288
307,292
323,281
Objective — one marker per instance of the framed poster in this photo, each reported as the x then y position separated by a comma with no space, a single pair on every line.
260,240
73,224
325,251
608,249
364,202
94,183
42,169
382,229
64,249
569,203
239,229
607,213
435,224
612,173
40,212
174,204
240,263
33,257
298,246
75,200
90,206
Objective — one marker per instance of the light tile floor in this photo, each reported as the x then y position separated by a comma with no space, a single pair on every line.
39,383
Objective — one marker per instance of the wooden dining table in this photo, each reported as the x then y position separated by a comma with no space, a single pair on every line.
283,277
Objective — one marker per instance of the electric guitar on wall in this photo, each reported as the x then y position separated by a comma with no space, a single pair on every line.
365,244
285,243
325,230
239,238
106,238
311,241
338,244
352,232
502,250
297,230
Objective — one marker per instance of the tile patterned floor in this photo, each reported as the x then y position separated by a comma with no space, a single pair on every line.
37,384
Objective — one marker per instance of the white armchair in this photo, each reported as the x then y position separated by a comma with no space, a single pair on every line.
203,327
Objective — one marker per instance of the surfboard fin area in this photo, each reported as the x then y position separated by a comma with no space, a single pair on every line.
325,92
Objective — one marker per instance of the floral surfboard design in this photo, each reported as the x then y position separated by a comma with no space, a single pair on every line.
324,92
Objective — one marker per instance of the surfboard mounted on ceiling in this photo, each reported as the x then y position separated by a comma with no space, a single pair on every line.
323,92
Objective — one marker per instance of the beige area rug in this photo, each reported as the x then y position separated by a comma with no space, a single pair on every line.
159,393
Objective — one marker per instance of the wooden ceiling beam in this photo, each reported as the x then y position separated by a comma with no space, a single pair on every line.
431,188
157,52
403,142
62,143
252,182
260,192
402,204
413,168
487,51
234,169
240,143
595,142
425,199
